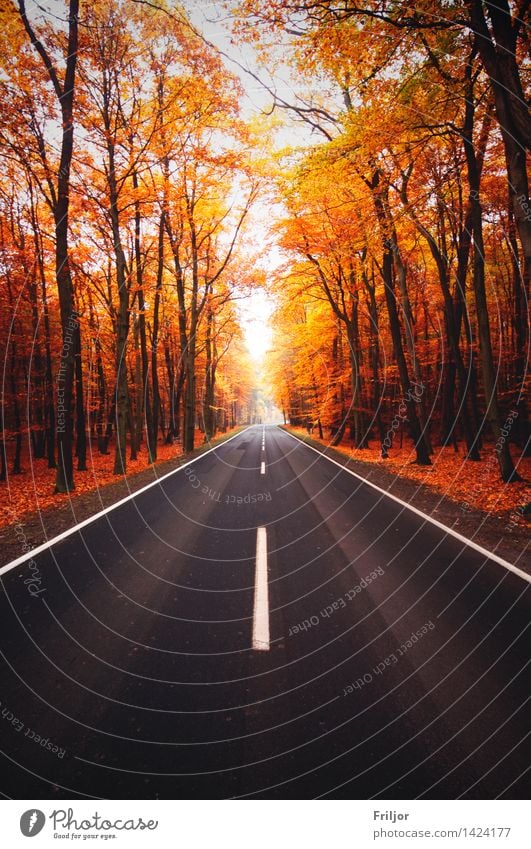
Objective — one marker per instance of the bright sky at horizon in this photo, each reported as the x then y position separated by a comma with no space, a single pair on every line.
213,22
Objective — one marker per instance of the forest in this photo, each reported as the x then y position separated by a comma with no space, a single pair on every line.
127,180
395,167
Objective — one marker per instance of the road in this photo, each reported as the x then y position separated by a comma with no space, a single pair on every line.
350,649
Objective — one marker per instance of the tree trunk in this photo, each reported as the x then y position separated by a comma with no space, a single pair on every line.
499,57
81,431
521,332
122,313
170,371
155,339
456,365
421,446
507,469
375,361
189,401
208,403
121,397
407,320
144,398
37,422
70,328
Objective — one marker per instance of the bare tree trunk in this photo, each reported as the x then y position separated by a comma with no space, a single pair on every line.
122,313
155,339
375,360
421,446
521,332
498,51
505,462
70,327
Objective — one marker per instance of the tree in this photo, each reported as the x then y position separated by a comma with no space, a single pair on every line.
64,90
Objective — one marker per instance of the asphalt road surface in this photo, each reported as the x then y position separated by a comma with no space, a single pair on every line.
263,624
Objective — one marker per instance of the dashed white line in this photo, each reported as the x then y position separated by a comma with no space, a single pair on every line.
261,595
262,468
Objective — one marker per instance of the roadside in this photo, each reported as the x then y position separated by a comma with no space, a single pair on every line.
449,492
21,527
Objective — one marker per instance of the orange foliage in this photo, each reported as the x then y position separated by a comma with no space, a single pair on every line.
32,490
476,485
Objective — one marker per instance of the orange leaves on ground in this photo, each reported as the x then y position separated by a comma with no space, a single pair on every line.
33,489
476,485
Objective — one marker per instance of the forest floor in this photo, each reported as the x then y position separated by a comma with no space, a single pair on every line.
30,512
468,497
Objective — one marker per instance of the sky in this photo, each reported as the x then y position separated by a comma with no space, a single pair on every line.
211,20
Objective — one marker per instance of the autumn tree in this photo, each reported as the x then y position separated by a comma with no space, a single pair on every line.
48,45
381,82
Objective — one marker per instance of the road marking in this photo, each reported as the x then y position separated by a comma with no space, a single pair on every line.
488,554
261,594
45,545
262,468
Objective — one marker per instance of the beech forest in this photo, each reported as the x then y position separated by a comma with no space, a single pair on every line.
373,190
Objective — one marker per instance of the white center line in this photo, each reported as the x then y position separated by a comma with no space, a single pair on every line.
261,594
262,468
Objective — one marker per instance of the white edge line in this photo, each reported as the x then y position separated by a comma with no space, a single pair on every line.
40,548
261,640
489,554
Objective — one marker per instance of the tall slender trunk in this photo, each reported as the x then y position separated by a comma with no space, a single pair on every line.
144,407
50,405
408,323
375,360
183,332
102,397
190,393
81,431
189,399
36,388
122,330
456,365
155,338
138,412
521,333
122,313
421,446
355,354
498,52
177,402
493,415
360,436
210,378
13,370
70,327
170,372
